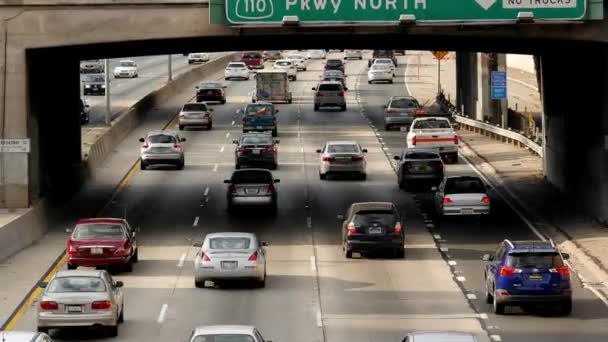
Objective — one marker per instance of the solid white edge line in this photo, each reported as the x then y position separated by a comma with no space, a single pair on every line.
182,259
232,123
206,191
222,149
313,263
496,338
215,167
227,134
195,222
319,318
162,314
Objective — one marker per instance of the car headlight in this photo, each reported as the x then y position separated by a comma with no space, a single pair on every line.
103,85
87,86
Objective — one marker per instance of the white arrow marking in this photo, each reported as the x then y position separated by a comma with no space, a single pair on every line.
486,4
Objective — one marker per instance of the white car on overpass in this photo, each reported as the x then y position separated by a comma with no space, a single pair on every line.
298,60
316,54
238,70
126,68
288,66
198,57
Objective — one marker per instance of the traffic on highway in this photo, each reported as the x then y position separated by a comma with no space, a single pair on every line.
305,196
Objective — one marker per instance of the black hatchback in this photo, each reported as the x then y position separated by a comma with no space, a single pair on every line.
420,168
335,64
372,226
256,149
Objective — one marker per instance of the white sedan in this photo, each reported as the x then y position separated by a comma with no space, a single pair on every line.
299,61
126,68
237,70
198,57
288,66
316,54
343,157
380,73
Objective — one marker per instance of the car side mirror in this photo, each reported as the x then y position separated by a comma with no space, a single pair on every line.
314,88
345,88
119,284
434,188
43,284
340,217
318,151
264,243
277,181
235,142
182,139
565,256
142,140
487,257
197,244
277,141
69,230
397,158
226,181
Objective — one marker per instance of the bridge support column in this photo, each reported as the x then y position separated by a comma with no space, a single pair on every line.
466,82
483,87
576,125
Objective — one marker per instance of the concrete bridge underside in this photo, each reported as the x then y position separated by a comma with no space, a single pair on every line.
40,46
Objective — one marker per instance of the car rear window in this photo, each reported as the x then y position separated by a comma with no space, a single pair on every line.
421,155
431,124
99,231
330,87
259,110
229,243
76,284
383,217
195,107
334,62
294,57
464,186
404,103
210,85
257,140
284,63
236,65
94,78
334,74
249,176
381,67
161,139
534,260
223,338
343,148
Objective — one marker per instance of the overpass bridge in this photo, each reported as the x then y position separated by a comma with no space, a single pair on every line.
42,42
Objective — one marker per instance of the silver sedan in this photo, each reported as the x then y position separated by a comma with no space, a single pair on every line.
462,196
342,157
77,298
195,114
230,256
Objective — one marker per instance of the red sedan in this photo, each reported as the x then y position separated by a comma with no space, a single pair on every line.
102,242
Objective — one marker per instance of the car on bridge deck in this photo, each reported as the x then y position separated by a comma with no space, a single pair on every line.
79,299
259,117
195,114
252,187
436,133
230,256
94,84
238,70
102,242
126,68
329,94
316,54
161,148
353,54
419,168
24,336
401,111
298,60
528,272
380,73
390,54
254,149
384,61
272,55
198,57
94,66
372,226
440,336
342,157
211,92
232,333
335,64
462,196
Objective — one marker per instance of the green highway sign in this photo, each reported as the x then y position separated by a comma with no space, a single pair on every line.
352,12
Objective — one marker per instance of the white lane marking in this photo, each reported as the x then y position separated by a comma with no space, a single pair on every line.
471,296
232,123
206,191
430,225
222,149
444,249
313,263
319,319
215,168
195,222
496,338
461,279
309,222
227,135
483,316
452,262
162,314
302,149
182,259
436,236
207,200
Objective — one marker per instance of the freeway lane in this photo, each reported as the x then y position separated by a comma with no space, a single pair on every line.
467,240
313,293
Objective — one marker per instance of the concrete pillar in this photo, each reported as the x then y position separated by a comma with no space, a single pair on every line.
576,123
483,87
466,82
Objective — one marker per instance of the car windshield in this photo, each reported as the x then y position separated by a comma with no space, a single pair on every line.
250,176
431,124
404,103
421,155
534,260
161,139
229,243
343,148
330,87
256,140
385,218
223,338
94,78
76,284
99,231
127,64
236,65
465,186
259,110
194,107
284,63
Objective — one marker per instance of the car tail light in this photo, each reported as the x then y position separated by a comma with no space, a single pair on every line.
485,200
254,256
178,146
341,93
270,188
564,271
357,159
456,139
420,112
231,188
508,271
447,200
101,305
270,149
351,228
319,94
391,111
121,251
49,305
145,145
242,149
328,159
414,140
205,257
72,250
398,227
206,114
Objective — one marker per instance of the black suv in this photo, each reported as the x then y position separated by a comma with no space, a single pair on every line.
419,167
372,226
256,149
211,92
252,187
335,64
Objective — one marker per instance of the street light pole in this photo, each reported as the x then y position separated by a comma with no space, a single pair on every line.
170,69
438,76
107,92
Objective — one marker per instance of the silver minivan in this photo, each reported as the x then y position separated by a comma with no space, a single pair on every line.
329,94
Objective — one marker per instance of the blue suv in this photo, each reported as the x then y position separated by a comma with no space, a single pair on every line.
522,272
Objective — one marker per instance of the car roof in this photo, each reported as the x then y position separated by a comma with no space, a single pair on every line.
342,142
236,62
331,82
78,273
230,234
257,134
161,131
101,220
18,336
400,97
443,336
372,206
126,60
223,329
532,246
251,170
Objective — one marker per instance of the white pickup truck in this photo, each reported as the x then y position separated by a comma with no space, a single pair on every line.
434,133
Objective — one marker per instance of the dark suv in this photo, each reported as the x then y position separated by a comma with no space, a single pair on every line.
372,226
256,149
421,167
527,272
335,64
382,54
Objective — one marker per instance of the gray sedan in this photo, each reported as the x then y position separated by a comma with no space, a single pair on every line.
462,196
230,256
76,298
195,114
401,111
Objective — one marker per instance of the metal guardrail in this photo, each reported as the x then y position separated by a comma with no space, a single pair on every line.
491,130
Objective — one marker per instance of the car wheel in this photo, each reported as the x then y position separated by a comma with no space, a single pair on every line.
226,78
121,317
454,158
230,207
343,108
189,62
316,108
390,81
143,165
289,101
499,308
112,330
275,166
275,132
369,82
43,330
262,282
199,284
403,185
237,166
348,254
322,176
72,266
566,307
180,165
223,101
181,127
128,267
400,253
135,257
387,127
363,176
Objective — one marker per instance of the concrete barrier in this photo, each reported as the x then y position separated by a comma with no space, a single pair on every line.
24,230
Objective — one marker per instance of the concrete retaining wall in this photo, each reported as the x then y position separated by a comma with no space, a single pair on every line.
24,230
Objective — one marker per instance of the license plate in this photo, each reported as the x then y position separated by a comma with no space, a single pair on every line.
74,308
256,151
229,265
466,211
96,250
535,277
252,190
375,230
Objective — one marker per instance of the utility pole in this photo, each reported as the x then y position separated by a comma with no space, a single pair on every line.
170,69
107,92
438,76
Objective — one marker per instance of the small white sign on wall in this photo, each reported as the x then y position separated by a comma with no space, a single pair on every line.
14,145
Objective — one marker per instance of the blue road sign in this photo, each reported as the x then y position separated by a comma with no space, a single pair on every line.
499,85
